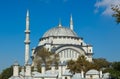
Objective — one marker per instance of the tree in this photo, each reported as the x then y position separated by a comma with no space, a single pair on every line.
42,55
101,63
116,14
71,65
46,57
80,64
115,70
6,73
116,66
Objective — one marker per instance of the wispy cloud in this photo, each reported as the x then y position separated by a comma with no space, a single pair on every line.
106,5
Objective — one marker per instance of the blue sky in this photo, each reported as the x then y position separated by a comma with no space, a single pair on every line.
92,21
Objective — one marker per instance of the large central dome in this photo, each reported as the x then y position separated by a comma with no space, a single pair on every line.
60,31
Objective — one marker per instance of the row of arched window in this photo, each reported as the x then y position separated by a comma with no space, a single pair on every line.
68,53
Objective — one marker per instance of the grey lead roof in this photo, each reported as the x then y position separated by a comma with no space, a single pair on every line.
60,31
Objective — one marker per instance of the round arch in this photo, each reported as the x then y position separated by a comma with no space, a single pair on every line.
79,50
69,52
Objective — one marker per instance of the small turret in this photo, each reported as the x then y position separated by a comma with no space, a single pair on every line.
16,69
28,70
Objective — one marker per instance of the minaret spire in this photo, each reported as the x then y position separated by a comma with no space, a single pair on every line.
27,13
59,23
27,39
71,22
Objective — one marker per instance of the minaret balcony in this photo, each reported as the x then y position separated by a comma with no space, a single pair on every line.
27,41
27,31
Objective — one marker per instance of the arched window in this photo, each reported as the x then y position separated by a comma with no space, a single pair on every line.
65,77
81,44
90,50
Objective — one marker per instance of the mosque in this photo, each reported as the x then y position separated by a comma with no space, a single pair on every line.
64,42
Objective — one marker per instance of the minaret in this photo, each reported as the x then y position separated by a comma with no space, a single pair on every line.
71,22
27,40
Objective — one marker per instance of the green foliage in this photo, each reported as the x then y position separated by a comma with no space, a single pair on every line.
44,56
101,63
116,14
6,73
38,68
114,73
82,64
116,66
115,70
71,66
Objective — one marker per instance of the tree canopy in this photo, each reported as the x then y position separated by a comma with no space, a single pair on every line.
46,57
115,70
82,64
101,63
6,73
116,14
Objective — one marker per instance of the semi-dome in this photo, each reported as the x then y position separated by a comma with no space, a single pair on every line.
60,31
92,71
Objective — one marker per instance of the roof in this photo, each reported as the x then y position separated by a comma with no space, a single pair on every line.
106,75
67,73
60,31
36,74
51,75
92,72
46,74
77,76
15,77
28,78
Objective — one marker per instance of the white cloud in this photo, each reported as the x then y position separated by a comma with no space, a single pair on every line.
106,5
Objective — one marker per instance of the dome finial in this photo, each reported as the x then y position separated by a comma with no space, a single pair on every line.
59,23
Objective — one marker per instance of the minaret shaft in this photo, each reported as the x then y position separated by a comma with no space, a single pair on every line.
27,39
26,53
27,23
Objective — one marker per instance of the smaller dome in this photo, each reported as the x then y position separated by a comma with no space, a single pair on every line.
60,31
106,75
92,71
